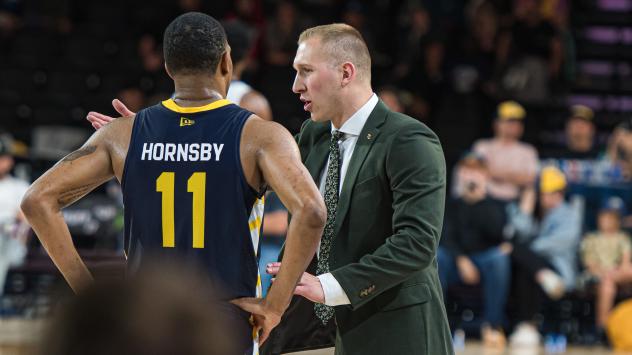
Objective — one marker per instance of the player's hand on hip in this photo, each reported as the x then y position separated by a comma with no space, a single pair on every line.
308,286
265,319
99,120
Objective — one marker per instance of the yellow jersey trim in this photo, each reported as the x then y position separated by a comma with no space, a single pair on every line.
170,104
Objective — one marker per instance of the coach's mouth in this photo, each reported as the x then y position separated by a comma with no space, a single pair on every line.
307,105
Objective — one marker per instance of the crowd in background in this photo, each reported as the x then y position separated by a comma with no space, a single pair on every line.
539,193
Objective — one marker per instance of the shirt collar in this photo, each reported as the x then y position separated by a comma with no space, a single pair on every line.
356,122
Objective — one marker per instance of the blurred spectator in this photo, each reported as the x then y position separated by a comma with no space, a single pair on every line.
512,164
282,33
606,256
543,250
9,17
580,134
133,98
473,250
248,11
162,310
472,60
275,223
391,97
13,228
418,59
276,74
150,54
531,52
469,71
620,147
240,39
579,141
190,5
355,15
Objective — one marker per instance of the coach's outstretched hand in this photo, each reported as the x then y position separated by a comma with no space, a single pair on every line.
99,120
308,286
265,318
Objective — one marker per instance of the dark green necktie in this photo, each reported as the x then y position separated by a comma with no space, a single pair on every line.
332,185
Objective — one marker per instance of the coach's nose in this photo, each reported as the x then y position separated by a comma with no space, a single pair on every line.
297,86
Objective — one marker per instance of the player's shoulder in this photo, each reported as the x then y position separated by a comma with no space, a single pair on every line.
116,135
262,132
119,125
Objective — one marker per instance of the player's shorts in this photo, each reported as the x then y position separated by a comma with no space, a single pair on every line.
245,338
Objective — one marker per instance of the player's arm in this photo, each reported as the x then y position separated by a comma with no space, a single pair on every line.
70,179
279,165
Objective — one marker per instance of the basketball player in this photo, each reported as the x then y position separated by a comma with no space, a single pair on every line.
191,169
239,91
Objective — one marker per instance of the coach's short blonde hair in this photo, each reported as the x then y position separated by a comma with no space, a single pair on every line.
342,43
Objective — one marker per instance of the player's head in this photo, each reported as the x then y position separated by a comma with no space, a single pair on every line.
194,45
330,59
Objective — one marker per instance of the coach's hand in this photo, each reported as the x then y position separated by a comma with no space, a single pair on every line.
308,286
265,319
99,120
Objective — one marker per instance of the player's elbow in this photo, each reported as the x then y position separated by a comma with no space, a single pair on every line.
314,213
32,203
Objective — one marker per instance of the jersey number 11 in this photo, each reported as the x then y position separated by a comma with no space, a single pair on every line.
196,185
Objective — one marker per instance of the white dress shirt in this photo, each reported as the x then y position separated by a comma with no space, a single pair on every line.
334,294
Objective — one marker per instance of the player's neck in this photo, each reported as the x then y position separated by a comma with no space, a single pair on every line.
192,91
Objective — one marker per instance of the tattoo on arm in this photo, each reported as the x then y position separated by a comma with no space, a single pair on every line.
72,195
80,153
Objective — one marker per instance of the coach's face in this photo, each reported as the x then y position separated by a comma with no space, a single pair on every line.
317,81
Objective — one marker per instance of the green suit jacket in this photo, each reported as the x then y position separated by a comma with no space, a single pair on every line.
388,224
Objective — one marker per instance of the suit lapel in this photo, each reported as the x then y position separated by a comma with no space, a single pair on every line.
365,141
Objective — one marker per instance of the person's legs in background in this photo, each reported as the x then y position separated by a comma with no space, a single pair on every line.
448,273
607,293
533,276
495,269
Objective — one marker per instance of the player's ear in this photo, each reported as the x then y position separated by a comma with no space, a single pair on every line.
226,63
167,70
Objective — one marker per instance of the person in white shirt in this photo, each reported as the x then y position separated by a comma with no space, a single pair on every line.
513,165
239,38
13,228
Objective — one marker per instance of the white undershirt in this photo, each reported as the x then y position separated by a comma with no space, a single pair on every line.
334,294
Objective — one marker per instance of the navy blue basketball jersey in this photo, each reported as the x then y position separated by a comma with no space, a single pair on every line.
186,195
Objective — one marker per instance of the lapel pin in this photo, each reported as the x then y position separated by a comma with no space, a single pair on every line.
369,136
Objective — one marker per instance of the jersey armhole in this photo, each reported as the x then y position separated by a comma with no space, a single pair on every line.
244,181
131,149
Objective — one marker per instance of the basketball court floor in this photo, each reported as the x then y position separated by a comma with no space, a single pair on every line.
474,348
20,336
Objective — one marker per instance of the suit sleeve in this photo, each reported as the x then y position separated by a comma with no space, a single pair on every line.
417,177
